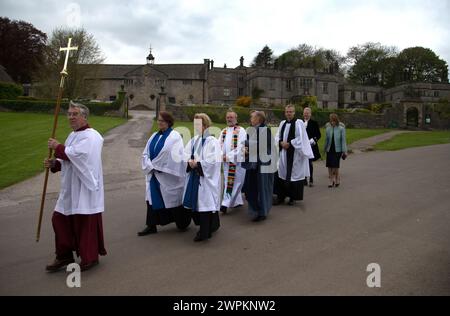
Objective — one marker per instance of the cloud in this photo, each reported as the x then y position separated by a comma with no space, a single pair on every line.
186,31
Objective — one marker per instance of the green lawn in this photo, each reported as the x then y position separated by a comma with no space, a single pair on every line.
415,139
352,136
23,142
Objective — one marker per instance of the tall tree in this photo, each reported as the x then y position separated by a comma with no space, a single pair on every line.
264,59
371,63
419,64
82,63
306,56
22,49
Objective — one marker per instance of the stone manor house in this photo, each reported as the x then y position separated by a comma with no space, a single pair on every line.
203,83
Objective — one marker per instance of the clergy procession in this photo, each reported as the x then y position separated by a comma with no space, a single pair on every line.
184,183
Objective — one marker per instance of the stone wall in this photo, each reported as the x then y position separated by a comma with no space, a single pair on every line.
394,117
353,120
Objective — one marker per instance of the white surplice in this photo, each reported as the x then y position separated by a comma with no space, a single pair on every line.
82,177
234,155
209,157
168,168
302,153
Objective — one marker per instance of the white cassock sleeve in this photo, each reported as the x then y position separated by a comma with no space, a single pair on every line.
278,136
210,159
301,141
168,160
146,163
79,153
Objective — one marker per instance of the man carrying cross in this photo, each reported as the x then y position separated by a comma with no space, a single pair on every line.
232,140
77,220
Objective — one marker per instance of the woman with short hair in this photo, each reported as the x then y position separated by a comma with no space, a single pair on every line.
164,177
202,190
336,148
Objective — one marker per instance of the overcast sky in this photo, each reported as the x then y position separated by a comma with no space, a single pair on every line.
186,31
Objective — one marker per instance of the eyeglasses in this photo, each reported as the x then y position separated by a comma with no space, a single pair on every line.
73,114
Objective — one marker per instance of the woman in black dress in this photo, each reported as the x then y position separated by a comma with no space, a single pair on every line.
335,147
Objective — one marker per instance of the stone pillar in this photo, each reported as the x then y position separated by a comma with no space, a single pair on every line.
162,100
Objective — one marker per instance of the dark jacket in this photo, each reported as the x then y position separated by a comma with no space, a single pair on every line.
313,131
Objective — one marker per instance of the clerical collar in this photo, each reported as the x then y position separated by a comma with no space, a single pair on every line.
83,128
289,122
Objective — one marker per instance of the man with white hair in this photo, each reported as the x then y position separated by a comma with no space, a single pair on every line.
232,140
295,152
77,220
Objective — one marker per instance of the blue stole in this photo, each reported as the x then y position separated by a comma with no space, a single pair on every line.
155,147
191,197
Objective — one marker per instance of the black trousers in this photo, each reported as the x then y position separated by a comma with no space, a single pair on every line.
311,170
179,215
209,223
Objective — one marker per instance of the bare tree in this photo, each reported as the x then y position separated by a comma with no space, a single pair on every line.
83,63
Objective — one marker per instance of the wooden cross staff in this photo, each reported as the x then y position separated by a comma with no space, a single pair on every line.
64,74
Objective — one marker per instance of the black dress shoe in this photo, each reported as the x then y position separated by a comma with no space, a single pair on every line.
85,267
337,185
223,209
148,231
259,219
278,202
199,239
58,264
291,202
238,206
311,184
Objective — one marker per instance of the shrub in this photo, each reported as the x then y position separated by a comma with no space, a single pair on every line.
257,93
10,90
244,101
378,107
362,111
443,109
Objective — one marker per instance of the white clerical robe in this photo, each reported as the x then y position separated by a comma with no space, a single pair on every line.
82,177
210,158
172,170
234,155
302,153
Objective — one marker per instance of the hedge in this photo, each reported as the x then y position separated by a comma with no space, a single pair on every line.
217,114
10,90
49,106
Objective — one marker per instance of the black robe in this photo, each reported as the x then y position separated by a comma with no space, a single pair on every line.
313,131
287,188
258,185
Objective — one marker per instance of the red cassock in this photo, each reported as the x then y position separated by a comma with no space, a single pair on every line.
82,233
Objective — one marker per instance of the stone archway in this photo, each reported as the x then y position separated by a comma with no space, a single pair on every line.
412,117
141,107
413,114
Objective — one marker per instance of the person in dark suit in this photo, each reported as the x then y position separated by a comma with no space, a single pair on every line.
313,130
